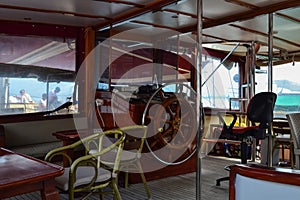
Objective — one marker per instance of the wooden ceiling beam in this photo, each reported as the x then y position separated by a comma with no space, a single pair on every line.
245,15
265,35
179,12
217,38
53,11
288,17
151,24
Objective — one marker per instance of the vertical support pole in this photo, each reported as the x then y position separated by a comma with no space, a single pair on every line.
270,81
199,96
252,93
110,57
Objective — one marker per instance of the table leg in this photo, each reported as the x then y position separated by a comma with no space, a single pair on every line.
68,152
49,191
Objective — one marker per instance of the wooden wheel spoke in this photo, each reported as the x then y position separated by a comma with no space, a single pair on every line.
153,144
169,110
167,132
173,124
168,121
178,109
162,95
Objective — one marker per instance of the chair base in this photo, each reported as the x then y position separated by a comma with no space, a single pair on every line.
218,181
244,149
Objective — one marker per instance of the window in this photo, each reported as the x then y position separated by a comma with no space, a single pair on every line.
31,69
286,84
220,82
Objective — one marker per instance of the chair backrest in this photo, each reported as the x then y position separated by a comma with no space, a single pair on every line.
280,126
134,137
294,122
260,108
108,144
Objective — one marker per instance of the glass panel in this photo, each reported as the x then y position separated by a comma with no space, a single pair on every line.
219,82
31,69
286,84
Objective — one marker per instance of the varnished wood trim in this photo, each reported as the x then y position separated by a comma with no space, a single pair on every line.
179,12
284,176
52,11
265,35
4,119
151,24
288,17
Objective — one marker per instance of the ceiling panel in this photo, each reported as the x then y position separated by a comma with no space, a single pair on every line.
225,18
287,29
243,36
261,3
77,6
59,19
215,9
167,19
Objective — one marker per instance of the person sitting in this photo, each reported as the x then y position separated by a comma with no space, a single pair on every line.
25,97
43,102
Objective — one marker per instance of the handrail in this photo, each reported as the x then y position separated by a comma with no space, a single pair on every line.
226,57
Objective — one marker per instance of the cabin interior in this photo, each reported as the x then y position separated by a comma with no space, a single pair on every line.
179,67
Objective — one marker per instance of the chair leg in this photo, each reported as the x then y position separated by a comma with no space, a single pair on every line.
101,195
71,194
117,195
126,179
297,162
144,180
244,152
218,181
292,156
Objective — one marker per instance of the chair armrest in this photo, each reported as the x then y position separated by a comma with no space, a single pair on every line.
222,120
62,151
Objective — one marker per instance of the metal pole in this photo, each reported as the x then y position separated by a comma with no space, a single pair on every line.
236,46
199,92
270,81
252,91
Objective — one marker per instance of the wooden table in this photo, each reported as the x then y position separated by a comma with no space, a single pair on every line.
67,137
21,174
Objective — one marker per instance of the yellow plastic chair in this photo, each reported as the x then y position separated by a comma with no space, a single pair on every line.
86,174
130,157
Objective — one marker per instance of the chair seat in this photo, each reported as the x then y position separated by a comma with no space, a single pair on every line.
242,130
84,175
126,155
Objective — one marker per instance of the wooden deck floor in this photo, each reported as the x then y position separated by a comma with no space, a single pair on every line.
182,187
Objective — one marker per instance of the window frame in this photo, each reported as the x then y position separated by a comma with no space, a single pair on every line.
45,30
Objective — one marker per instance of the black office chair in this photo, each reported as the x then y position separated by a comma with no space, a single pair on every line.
259,111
